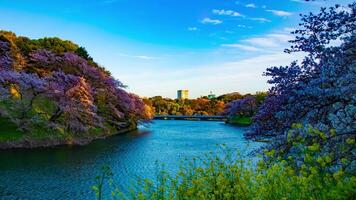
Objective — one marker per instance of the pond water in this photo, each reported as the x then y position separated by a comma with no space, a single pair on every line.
68,172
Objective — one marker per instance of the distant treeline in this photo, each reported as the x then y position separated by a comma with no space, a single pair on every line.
199,106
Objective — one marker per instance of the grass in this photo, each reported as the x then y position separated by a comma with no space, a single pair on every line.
9,131
241,121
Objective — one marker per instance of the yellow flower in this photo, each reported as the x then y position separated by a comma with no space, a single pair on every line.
14,92
314,147
343,160
350,141
337,175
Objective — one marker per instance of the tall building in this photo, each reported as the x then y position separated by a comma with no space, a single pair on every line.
183,94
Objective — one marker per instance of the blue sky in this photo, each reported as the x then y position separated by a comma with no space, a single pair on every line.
159,46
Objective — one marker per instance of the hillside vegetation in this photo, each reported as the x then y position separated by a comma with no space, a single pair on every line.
51,89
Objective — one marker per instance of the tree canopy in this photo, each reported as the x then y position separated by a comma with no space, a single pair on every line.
319,90
54,84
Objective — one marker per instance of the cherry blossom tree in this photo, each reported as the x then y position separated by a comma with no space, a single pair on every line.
319,90
74,102
241,107
18,91
62,87
5,56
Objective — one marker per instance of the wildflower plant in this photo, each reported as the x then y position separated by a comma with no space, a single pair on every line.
227,175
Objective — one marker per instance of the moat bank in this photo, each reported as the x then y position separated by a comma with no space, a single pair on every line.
29,143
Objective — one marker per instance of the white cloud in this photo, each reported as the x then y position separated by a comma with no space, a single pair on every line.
260,19
143,57
193,29
243,47
243,26
227,12
281,37
274,42
280,13
251,5
146,57
318,3
289,29
207,20
262,41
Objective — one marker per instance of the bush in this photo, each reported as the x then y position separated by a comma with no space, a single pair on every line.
308,146
240,121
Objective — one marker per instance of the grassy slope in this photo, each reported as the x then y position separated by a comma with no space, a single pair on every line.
8,131
241,121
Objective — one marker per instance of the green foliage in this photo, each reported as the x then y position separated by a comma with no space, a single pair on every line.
199,106
226,98
307,148
240,121
260,97
222,178
9,130
55,44
82,52
100,181
241,112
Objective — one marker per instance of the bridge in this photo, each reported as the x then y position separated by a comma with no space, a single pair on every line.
193,117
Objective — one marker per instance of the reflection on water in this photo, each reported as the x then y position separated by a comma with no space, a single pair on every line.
68,172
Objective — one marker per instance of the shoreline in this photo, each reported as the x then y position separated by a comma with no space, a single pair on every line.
48,143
